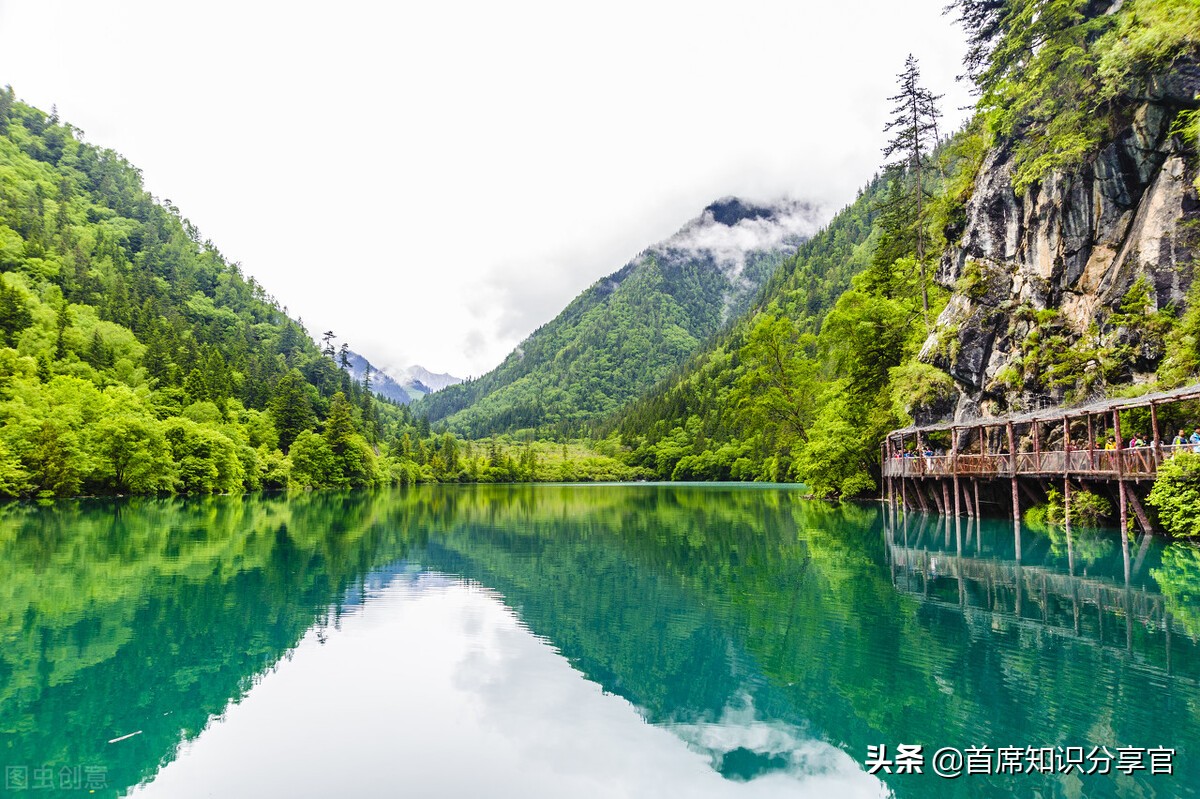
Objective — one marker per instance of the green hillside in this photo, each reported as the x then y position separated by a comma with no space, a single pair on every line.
134,358
737,410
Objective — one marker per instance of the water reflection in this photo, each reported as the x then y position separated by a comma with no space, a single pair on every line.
435,688
453,639
1068,581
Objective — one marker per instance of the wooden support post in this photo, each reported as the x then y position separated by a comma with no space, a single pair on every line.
1070,552
904,494
921,496
1143,548
1139,511
945,496
978,512
1091,445
1067,504
1017,547
1128,617
1066,445
1120,444
937,497
954,470
1158,456
1124,530
967,497
1037,446
1012,453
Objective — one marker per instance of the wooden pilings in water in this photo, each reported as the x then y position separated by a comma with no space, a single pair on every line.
1012,453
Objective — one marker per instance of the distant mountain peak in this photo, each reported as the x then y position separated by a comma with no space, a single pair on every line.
731,230
418,375
402,385
728,211
631,328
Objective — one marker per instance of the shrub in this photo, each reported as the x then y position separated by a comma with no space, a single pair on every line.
1176,495
1087,510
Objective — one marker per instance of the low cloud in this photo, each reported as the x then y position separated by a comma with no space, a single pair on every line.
514,299
772,227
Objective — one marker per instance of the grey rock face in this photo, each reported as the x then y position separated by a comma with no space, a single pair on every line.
1074,243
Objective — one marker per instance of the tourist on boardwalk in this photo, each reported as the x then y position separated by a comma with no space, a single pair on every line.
1142,458
1195,440
1180,439
1107,459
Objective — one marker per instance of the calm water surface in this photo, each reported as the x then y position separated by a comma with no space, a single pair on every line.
576,641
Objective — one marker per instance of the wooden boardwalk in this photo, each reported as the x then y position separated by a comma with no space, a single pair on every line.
960,466
1140,463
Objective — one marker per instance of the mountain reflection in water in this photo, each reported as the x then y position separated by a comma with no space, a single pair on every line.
597,640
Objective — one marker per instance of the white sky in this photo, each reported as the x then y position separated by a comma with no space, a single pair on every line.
433,181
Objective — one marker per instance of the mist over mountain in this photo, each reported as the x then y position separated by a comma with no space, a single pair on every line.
399,385
420,377
631,328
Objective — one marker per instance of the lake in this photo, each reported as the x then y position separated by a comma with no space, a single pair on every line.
595,641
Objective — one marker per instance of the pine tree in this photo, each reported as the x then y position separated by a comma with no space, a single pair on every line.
14,315
983,21
291,408
914,130
339,425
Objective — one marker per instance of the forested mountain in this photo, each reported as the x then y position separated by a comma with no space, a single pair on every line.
1044,253
632,328
737,410
134,357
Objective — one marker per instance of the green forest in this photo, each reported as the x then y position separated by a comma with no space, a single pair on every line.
805,387
135,359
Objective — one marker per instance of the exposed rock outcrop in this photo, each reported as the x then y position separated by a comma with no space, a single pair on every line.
1074,244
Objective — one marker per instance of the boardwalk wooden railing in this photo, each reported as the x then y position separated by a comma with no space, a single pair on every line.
1063,446
1132,464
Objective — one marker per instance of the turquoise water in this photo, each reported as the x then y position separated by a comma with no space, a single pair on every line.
578,640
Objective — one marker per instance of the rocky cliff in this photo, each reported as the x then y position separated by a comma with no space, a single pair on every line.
1042,308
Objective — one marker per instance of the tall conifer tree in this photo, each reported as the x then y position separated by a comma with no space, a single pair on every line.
913,127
